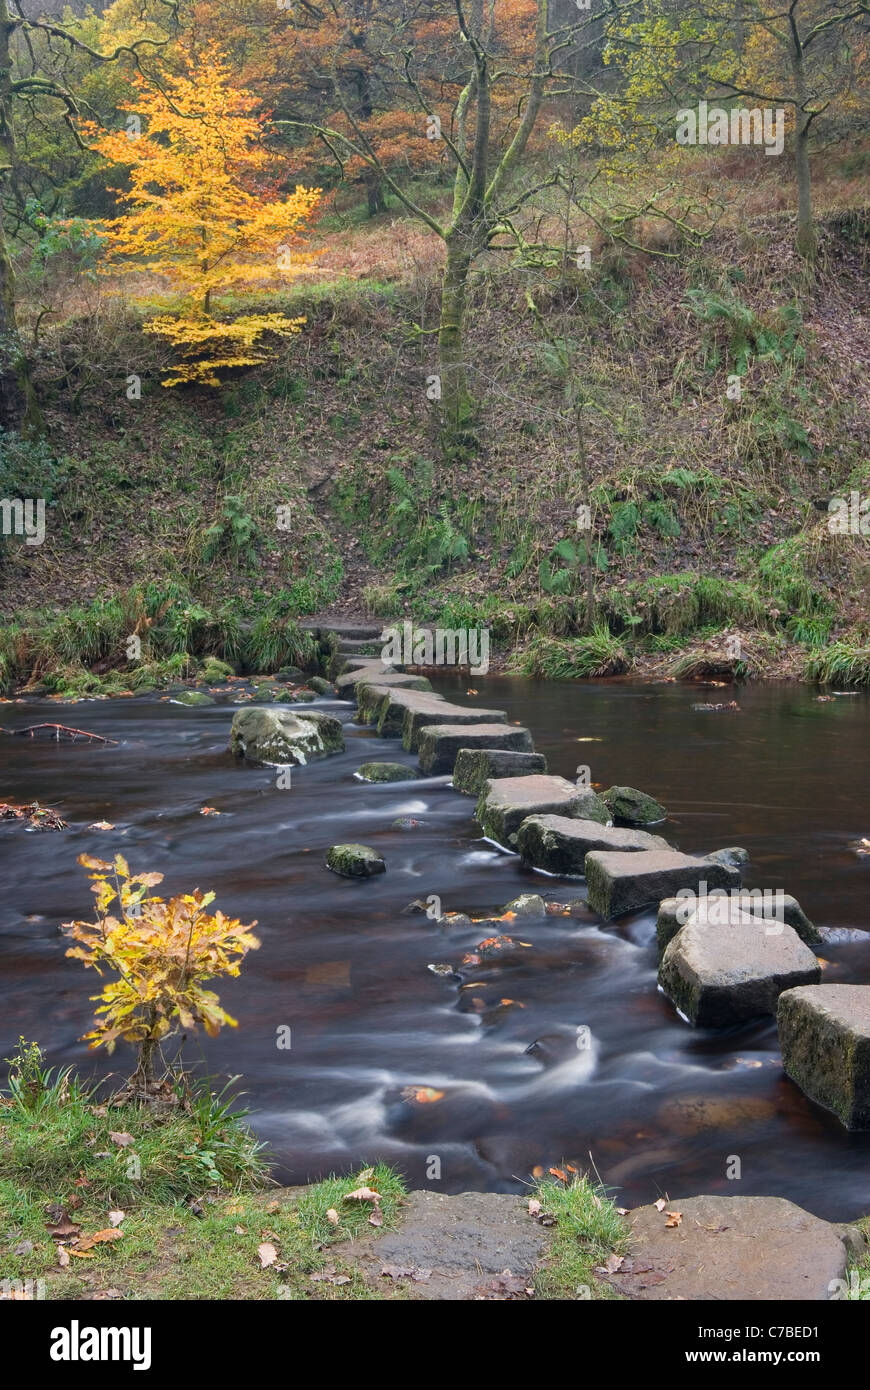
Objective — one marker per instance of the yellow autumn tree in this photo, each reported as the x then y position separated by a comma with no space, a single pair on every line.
204,215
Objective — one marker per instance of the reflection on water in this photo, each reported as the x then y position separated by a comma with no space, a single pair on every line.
660,1107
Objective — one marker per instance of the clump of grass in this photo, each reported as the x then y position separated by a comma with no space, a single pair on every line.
595,655
588,1228
846,662
676,604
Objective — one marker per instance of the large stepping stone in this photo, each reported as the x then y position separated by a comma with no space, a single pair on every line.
560,844
618,882
373,672
477,1245
761,1249
477,766
354,630
824,1037
439,744
385,706
675,912
416,719
506,802
281,737
721,975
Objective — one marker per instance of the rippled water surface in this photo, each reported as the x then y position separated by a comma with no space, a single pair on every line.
660,1107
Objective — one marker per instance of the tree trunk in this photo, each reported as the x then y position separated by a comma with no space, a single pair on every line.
12,366
456,404
375,195
805,241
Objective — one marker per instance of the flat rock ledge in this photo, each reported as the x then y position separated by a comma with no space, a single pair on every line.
281,738
505,802
675,912
618,883
439,744
824,1037
559,844
761,1249
477,766
718,976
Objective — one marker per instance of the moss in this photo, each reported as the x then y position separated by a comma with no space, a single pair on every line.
355,861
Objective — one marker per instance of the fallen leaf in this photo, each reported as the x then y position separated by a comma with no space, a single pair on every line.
98,1238
534,1207
675,1218
268,1254
377,1217
661,1204
25,1248
121,1138
116,1217
332,1216
557,1173
362,1194
62,1257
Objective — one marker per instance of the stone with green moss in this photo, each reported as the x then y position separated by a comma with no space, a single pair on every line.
633,807
280,737
192,697
320,685
386,772
355,861
215,672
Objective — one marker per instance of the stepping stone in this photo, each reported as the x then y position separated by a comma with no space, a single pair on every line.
438,745
385,706
417,718
634,807
355,861
343,628
374,673
772,907
761,1249
507,801
453,1248
560,844
619,883
477,766
824,1037
718,976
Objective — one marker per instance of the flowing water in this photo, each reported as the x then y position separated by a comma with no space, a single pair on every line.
661,1108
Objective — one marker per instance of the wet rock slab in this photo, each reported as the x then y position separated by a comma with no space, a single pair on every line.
727,1248
618,883
475,767
506,802
824,1036
560,844
438,745
464,1244
783,908
718,976
374,673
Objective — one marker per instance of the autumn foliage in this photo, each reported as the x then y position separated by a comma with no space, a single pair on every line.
203,215
160,953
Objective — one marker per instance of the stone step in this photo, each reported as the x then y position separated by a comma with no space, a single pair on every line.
824,1037
352,629
475,767
372,672
560,844
674,913
362,646
728,1249
438,745
506,802
618,882
385,706
720,976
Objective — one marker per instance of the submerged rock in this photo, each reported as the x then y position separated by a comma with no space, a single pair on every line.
506,802
281,737
355,861
386,772
192,697
619,883
527,905
560,844
634,807
477,766
718,977
824,1036
732,855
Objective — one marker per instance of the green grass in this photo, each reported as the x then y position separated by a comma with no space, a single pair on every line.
842,663
588,1228
196,1208
551,658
